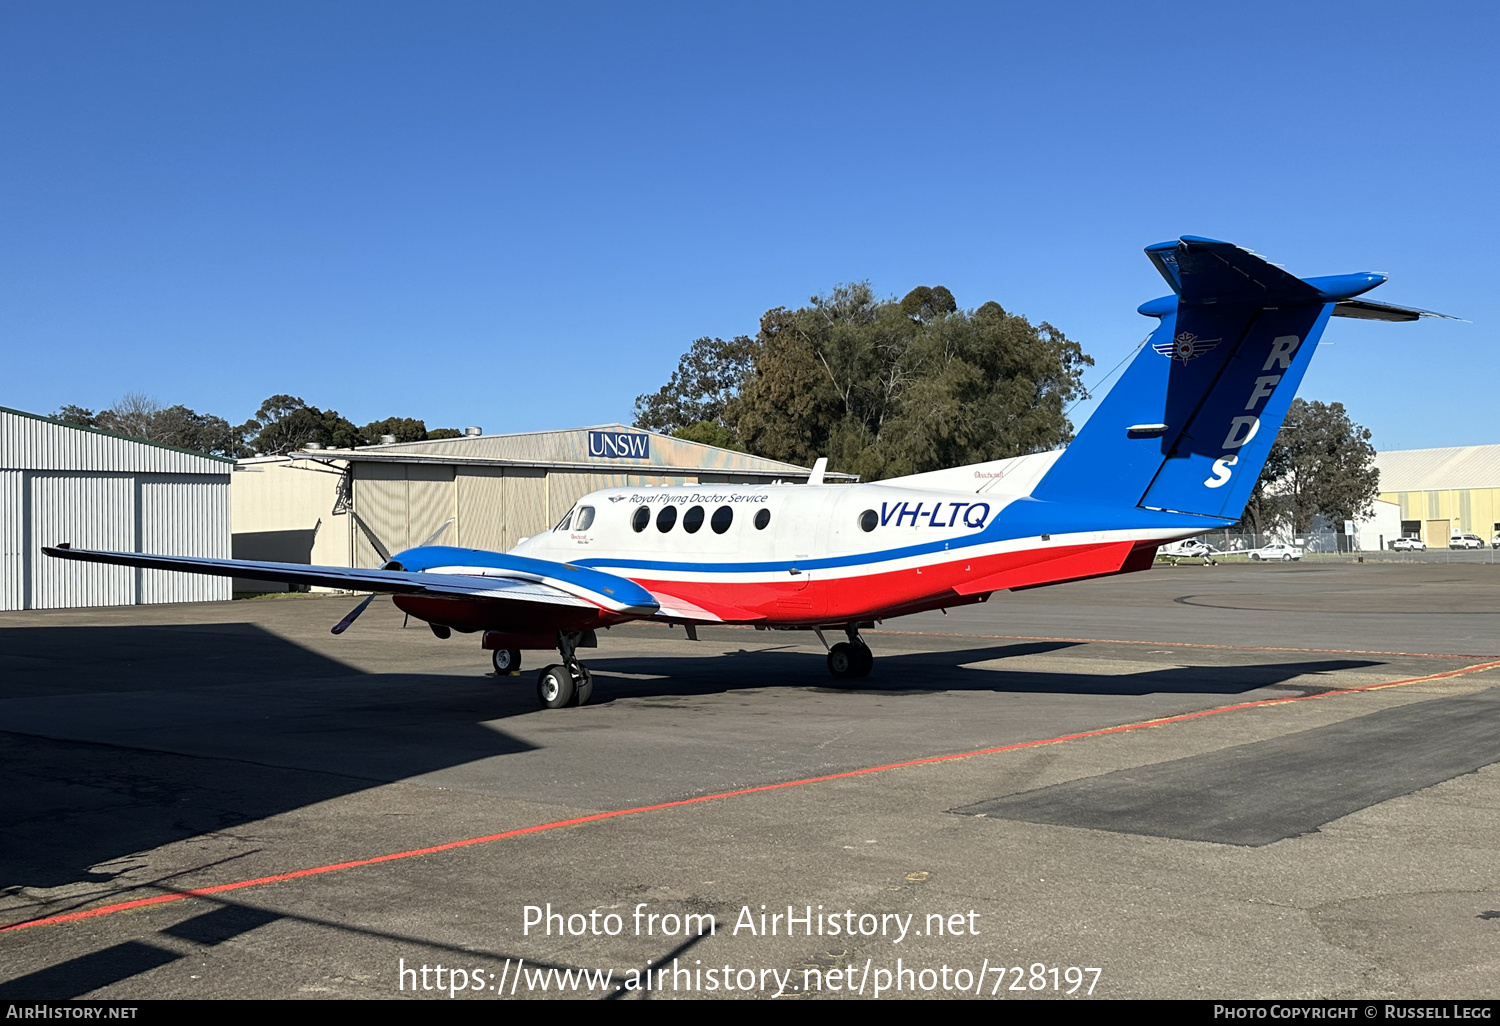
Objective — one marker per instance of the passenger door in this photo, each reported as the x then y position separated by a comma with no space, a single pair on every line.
799,523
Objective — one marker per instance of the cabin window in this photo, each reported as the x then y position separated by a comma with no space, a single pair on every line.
641,518
562,525
666,517
867,520
762,518
585,518
723,517
692,519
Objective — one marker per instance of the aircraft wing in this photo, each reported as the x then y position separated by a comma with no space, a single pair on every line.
624,595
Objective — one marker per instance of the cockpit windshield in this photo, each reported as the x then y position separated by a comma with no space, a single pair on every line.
562,525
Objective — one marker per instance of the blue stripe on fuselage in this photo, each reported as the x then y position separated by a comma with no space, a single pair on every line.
1024,518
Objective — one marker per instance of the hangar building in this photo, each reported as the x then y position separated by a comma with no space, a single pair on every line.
1443,492
349,507
61,483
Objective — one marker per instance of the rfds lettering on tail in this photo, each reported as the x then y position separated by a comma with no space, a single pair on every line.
1173,450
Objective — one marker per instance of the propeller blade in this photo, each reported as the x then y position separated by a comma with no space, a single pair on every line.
343,625
435,535
375,543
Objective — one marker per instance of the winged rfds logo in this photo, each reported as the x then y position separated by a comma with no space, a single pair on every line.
1186,346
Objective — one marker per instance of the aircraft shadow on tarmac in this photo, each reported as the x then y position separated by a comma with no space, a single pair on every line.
912,673
118,740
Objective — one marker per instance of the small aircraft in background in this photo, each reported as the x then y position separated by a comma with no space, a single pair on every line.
1191,548
1173,450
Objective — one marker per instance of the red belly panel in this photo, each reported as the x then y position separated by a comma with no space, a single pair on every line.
811,599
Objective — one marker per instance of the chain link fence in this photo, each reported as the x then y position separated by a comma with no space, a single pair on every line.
1237,546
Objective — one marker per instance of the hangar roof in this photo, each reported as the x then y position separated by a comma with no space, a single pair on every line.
30,442
1421,470
586,448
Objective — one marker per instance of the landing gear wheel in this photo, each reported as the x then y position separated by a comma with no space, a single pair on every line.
507,660
864,659
583,686
844,661
554,687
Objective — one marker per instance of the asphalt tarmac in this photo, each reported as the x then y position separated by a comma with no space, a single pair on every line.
1206,782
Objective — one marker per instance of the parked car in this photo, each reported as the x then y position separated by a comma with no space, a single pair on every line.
1285,553
1465,541
1409,545
1495,542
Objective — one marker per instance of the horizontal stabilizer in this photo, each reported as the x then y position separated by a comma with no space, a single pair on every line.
1208,271
1365,310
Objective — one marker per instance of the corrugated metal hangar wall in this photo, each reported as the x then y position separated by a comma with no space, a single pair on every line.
492,507
1443,492
60,483
491,490
498,489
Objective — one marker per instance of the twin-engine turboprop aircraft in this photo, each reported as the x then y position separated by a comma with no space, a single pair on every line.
1174,450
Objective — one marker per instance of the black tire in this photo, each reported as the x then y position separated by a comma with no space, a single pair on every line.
864,660
843,661
583,687
506,661
554,687
1286,557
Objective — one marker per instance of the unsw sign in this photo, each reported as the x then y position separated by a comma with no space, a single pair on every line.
620,444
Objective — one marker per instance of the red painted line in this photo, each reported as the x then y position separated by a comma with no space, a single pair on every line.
204,892
1191,644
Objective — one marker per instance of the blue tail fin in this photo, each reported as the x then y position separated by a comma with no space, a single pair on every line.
1190,424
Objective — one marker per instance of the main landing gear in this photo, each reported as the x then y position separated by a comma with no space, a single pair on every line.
568,684
852,659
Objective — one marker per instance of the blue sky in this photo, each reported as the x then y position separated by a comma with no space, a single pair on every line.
518,216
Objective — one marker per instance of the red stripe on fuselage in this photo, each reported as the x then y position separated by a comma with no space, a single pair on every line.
809,598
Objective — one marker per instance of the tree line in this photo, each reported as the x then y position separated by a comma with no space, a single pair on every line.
882,387
282,424
888,387
1321,464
